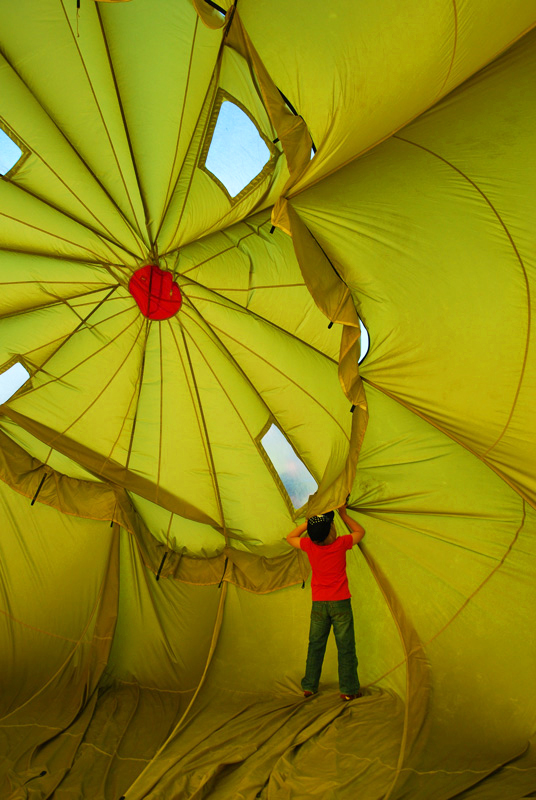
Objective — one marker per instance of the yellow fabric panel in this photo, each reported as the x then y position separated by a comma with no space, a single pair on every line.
252,728
169,545
160,607
37,562
39,450
361,72
335,300
46,231
301,386
120,738
163,61
179,534
199,205
257,270
290,126
56,616
138,382
35,335
119,684
53,171
30,281
235,414
109,348
406,211
76,87
165,436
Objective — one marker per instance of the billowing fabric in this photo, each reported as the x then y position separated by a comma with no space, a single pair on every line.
153,624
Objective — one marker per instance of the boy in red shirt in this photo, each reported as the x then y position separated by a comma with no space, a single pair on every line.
331,598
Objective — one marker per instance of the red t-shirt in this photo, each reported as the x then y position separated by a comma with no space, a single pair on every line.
328,563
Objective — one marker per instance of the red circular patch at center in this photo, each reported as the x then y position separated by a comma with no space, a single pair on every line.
155,292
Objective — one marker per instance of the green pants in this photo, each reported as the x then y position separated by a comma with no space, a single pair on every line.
324,614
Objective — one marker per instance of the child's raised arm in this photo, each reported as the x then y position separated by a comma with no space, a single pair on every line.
293,537
354,527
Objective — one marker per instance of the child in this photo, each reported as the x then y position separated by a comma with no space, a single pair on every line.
331,598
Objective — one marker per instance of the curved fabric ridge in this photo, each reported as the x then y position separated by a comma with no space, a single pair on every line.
335,301
354,93
104,502
445,196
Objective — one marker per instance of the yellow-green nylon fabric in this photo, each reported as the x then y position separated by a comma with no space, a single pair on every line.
153,619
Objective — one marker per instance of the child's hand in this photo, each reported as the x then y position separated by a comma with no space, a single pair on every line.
342,509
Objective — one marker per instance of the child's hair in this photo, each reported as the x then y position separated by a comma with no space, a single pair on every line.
318,528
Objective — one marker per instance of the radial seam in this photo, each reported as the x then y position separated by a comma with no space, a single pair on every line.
78,155
229,355
117,371
54,236
139,385
112,290
196,412
212,87
169,190
79,363
215,327
106,240
105,126
56,300
160,425
216,255
212,466
232,305
64,339
127,133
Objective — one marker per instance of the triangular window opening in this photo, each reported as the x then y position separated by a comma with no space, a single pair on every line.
10,153
365,342
294,475
11,380
237,155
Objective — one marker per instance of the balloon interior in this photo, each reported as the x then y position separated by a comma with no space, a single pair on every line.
201,207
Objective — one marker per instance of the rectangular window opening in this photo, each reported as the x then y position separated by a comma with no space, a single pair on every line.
294,475
10,153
